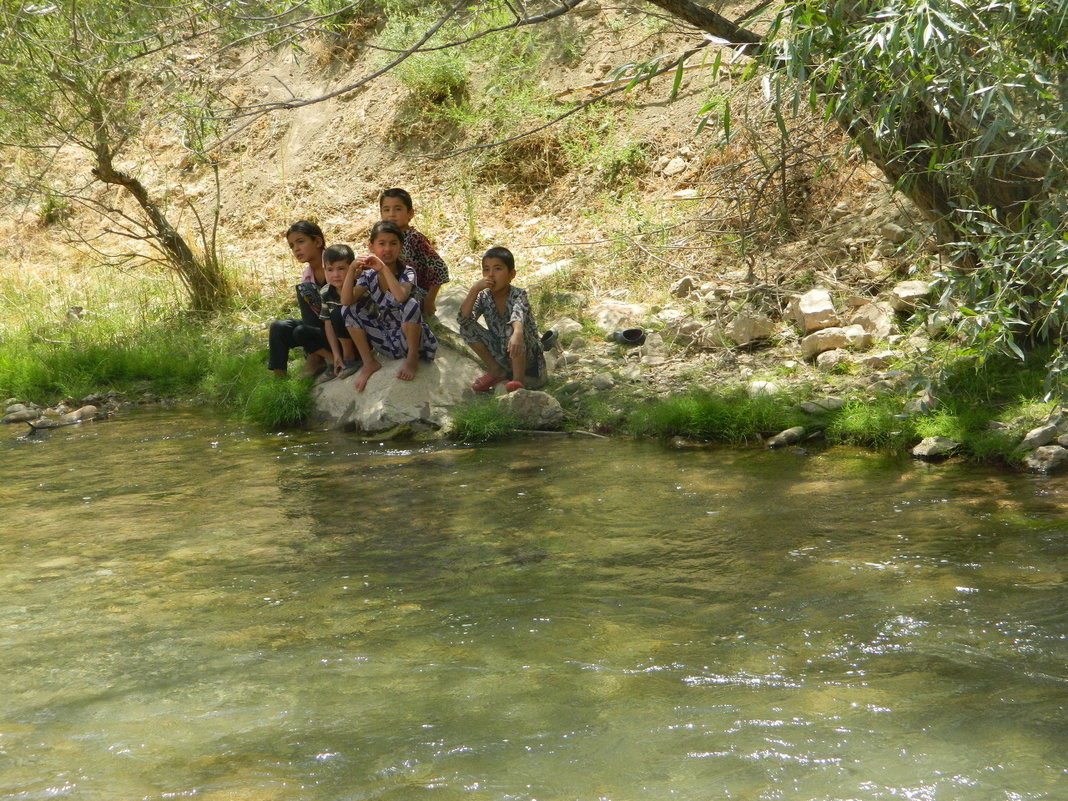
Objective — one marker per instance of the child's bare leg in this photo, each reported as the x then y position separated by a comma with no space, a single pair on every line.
493,367
370,364
348,350
413,333
519,366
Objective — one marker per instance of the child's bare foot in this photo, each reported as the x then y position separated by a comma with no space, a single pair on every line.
369,369
408,370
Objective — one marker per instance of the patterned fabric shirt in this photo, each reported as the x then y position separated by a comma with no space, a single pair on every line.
379,294
430,269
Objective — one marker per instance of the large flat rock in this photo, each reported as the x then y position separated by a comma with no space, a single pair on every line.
387,402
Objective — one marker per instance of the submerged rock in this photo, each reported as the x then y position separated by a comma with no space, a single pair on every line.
1047,459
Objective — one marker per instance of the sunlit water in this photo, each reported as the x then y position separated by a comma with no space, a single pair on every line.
188,609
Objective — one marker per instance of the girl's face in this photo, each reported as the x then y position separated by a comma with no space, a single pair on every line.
387,247
497,272
305,249
335,273
393,210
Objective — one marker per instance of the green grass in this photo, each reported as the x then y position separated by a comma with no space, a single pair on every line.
482,420
731,416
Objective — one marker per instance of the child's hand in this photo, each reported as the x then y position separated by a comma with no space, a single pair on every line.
339,364
483,283
515,345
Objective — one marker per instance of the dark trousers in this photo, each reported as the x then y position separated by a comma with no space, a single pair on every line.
307,332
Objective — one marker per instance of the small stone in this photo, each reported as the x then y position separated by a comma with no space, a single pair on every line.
814,311
682,287
675,166
603,381
931,448
578,343
758,389
907,294
568,357
892,232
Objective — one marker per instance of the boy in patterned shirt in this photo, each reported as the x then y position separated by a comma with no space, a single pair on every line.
395,206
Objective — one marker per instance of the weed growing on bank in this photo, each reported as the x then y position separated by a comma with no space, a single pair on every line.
482,420
731,416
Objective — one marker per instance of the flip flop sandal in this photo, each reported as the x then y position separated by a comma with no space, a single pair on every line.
484,383
512,386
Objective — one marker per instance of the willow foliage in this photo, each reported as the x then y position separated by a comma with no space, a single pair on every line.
965,105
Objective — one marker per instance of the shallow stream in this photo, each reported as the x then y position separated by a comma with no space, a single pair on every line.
192,610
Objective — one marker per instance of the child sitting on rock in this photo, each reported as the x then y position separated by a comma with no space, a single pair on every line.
336,262
306,241
395,206
508,344
381,314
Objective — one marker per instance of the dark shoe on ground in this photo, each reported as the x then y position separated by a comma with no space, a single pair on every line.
549,339
628,337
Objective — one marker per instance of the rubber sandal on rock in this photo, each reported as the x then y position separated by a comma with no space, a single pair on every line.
484,383
512,386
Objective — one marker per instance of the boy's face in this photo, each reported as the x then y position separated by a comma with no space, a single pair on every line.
498,272
394,210
387,247
335,272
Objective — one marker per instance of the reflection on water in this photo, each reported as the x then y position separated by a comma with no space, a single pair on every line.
191,610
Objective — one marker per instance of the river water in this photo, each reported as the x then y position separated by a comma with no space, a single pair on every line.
192,610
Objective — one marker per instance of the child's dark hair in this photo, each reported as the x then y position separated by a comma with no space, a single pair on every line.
307,228
400,194
338,253
504,254
385,227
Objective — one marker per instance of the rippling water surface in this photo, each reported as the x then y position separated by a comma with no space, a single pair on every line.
188,609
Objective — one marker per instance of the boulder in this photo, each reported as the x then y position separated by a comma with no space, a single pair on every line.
857,337
907,294
566,328
746,328
387,402
822,405
23,415
931,448
612,315
830,359
87,412
823,340
1037,437
875,318
814,311
536,410
1046,459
